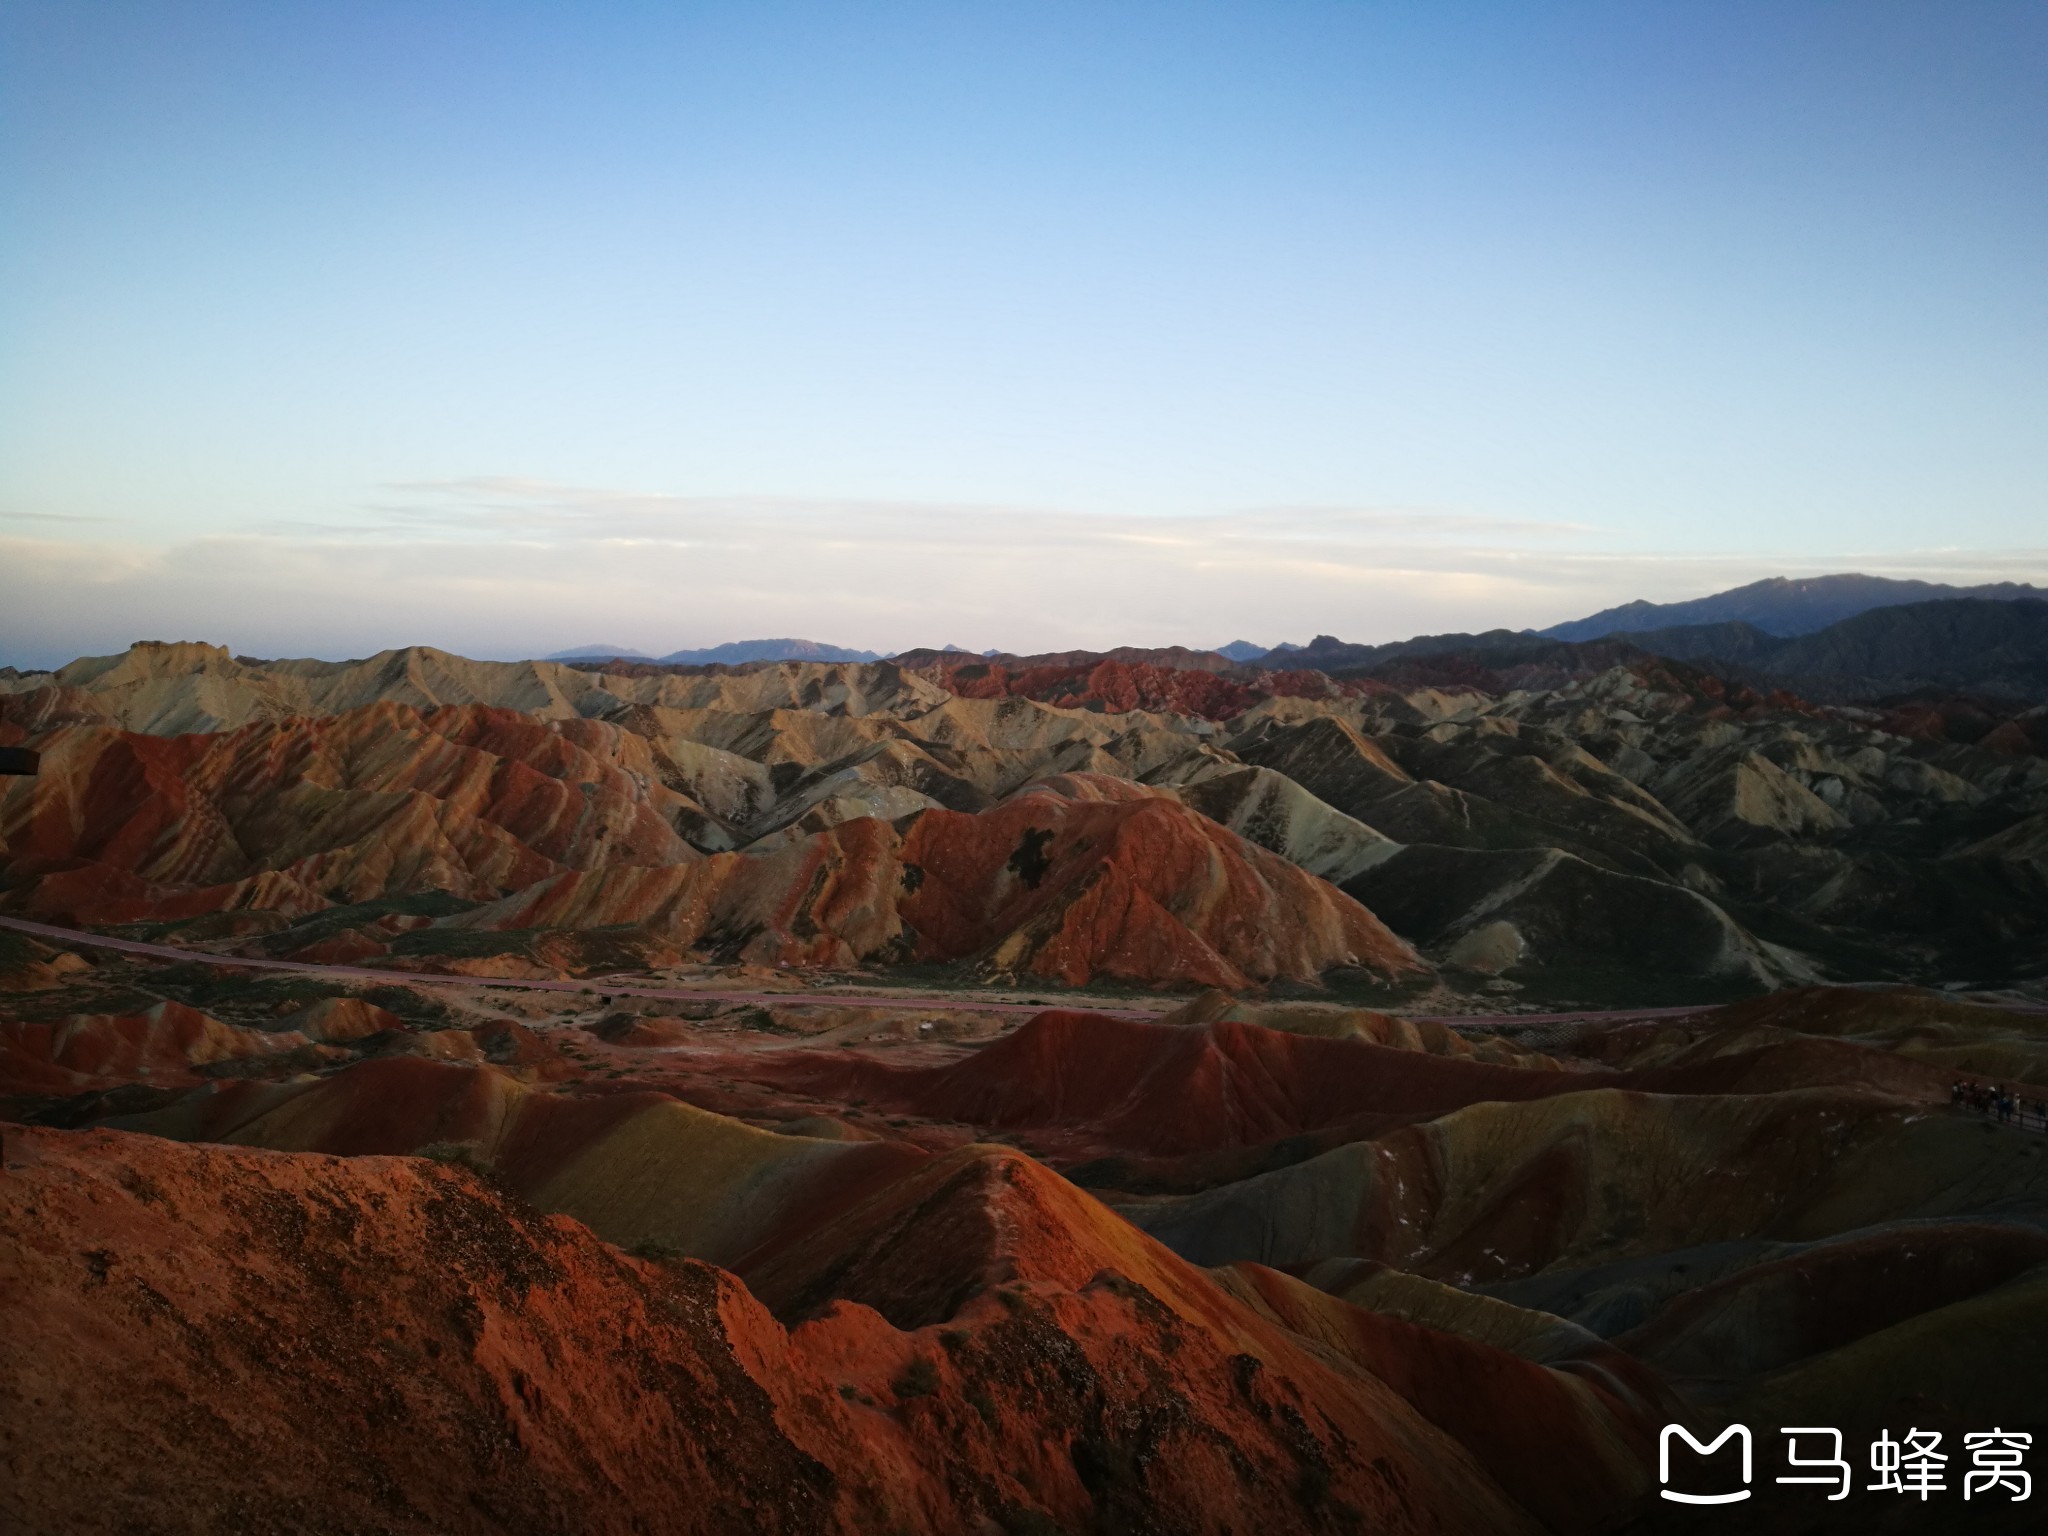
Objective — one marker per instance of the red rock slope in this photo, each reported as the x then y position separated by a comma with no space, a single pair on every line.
292,815
1089,1084
1080,878
323,1344
1168,682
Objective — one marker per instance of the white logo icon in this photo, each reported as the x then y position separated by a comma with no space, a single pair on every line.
1732,1432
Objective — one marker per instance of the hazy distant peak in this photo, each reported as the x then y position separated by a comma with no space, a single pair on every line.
735,652
585,652
1782,605
1241,650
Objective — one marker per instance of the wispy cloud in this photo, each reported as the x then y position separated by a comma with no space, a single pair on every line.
509,567
51,517
504,507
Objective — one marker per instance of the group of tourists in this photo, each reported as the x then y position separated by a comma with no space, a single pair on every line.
2007,1109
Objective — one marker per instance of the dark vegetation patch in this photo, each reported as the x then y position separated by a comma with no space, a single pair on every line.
458,1154
657,1251
1354,986
327,923
269,996
919,1379
207,926
70,1111
1028,861
1028,1522
464,943
1113,1477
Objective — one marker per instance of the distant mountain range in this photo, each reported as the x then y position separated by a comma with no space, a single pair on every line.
1781,605
1242,650
736,652
1997,648
597,652
732,654
1830,638
1777,607
1967,645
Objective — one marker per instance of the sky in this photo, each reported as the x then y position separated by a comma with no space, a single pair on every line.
511,327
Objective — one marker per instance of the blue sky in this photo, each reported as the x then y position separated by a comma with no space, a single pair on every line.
510,327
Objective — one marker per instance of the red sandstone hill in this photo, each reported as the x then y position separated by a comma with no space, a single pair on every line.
161,1044
1860,853
1080,878
312,1343
1098,1084
289,816
1180,683
567,824
636,1166
1113,686
1087,1085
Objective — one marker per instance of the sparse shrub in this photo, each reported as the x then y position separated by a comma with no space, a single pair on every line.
1029,1522
1107,1470
953,1340
919,1379
1314,1486
656,1250
979,1400
461,1154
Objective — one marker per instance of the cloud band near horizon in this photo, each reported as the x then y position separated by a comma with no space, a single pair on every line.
499,567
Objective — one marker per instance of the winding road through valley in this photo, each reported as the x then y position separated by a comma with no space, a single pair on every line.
627,987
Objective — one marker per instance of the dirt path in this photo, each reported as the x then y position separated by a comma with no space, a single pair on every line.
625,988
608,986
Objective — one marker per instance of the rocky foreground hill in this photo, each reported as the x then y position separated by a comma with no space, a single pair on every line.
284,1252
589,1201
